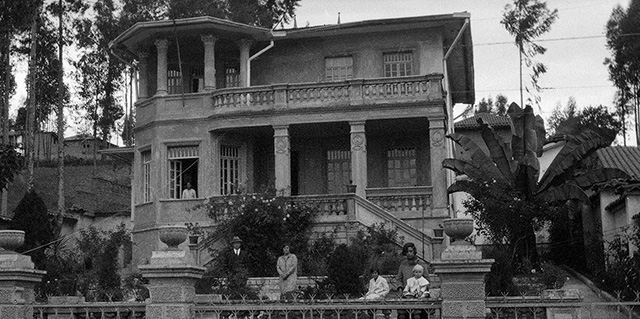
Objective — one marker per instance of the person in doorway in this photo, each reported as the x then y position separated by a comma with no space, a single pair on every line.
378,286
287,267
189,192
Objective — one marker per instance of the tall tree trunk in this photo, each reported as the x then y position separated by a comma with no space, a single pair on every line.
61,203
6,62
521,96
32,101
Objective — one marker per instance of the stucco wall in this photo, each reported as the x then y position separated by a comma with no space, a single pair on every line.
303,61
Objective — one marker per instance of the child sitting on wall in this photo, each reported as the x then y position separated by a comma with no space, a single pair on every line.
417,286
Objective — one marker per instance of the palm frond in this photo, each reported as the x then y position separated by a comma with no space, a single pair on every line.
478,157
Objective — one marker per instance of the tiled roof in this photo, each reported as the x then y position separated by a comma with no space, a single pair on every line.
626,158
491,119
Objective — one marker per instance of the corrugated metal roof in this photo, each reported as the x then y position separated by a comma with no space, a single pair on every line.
626,158
491,119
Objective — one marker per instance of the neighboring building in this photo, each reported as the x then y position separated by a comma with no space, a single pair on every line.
306,111
614,204
46,145
97,196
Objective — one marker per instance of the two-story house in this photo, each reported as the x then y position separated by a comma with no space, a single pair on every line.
229,107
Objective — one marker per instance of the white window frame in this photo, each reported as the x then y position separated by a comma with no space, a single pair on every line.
339,68
404,161
175,155
398,64
145,157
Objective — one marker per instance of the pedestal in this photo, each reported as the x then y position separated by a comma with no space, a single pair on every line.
172,279
17,280
461,270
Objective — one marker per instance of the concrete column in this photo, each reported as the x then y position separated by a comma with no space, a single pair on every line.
163,46
17,280
245,47
214,165
461,270
438,153
359,157
172,277
143,74
282,155
209,62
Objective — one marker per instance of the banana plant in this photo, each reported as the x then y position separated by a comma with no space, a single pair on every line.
513,167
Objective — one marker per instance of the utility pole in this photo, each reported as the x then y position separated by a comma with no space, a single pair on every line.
6,61
61,203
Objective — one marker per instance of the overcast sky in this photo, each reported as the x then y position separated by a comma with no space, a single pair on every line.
576,43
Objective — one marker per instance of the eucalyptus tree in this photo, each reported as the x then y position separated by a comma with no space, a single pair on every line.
527,20
623,41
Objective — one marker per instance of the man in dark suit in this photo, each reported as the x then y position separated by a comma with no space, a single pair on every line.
236,265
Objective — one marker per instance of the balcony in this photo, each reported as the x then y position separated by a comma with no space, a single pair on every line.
412,90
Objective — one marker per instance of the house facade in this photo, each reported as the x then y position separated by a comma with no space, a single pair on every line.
228,108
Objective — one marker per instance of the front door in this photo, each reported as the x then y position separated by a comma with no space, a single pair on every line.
338,171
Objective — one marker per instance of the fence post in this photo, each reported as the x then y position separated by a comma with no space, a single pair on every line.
461,270
18,278
172,276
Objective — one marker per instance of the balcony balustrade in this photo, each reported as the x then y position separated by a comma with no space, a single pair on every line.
351,92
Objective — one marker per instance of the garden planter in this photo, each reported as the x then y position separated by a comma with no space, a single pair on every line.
173,235
530,285
10,240
350,188
458,229
65,300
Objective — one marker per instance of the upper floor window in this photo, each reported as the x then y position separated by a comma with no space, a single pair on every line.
398,64
174,82
183,169
401,167
338,68
146,176
232,77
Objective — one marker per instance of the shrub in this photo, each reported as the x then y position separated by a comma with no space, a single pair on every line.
553,277
498,280
264,222
32,217
344,271
621,276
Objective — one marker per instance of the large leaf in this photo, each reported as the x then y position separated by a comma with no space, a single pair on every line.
459,186
564,192
527,174
462,167
498,150
601,175
576,148
478,156
540,134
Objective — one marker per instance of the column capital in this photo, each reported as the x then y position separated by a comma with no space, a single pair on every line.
281,130
208,39
162,44
438,120
244,44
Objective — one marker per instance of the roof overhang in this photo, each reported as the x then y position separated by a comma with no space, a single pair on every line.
121,154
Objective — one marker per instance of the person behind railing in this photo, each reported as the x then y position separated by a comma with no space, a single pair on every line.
235,265
288,270
188,192
405,271
378,286
417,286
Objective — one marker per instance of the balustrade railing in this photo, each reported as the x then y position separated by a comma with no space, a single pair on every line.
401,199
350,92
119,310
320,309
328,206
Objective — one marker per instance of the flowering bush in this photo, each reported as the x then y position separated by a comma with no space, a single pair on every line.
264,222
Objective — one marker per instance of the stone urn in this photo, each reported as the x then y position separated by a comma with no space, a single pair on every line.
458,229
173,235
10,240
